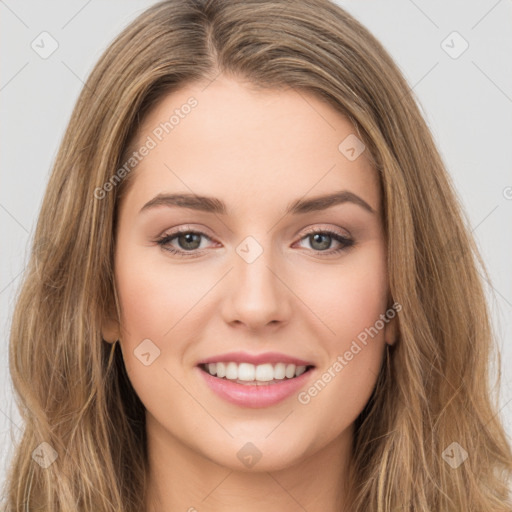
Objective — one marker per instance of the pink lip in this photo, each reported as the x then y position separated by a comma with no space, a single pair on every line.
266,357
254,396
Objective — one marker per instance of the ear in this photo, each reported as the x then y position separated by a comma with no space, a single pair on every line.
391,327
110,328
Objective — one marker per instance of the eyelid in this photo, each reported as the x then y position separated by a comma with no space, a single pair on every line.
184,228
314,228
327,228
346,241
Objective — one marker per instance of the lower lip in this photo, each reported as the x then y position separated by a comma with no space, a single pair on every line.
254,395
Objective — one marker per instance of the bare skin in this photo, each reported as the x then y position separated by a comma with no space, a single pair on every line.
258,152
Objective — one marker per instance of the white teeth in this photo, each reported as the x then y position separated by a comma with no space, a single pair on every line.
264,372
249,372
279,371
246,371
290,371
221,370
300,370
232,371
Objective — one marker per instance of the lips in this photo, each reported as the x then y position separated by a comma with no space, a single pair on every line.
267,387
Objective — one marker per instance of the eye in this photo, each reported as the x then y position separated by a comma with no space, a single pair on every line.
321,240
188,242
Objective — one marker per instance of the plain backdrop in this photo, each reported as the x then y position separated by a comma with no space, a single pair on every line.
465,95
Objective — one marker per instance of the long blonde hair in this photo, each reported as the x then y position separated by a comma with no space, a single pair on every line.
434,389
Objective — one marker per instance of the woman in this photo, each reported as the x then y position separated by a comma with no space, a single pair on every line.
251,286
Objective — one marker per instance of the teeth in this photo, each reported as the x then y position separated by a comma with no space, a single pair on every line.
232,371
290,371
300,370
264,372
249,372
246,371
218,368
280,371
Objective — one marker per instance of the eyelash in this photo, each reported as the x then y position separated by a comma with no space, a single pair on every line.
166,239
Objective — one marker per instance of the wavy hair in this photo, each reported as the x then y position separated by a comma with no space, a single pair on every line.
434,387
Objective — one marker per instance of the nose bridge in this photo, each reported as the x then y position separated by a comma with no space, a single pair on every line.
253,263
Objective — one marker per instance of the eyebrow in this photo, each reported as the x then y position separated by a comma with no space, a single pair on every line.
214,205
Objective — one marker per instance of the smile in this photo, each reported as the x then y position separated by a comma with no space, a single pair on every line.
247,373
254,386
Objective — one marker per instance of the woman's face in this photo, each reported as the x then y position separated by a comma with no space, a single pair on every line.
250,283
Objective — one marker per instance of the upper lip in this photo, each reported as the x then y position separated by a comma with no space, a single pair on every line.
265,357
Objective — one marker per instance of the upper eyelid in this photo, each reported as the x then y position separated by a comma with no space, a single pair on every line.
322,229
309,230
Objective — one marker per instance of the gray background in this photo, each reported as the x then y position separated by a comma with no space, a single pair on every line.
467,102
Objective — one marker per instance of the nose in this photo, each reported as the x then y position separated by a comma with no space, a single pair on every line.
256,294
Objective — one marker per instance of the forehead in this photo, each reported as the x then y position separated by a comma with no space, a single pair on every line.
253,148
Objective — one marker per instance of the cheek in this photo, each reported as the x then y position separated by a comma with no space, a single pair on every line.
154,303
163,303
153,297
350,297
355,341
